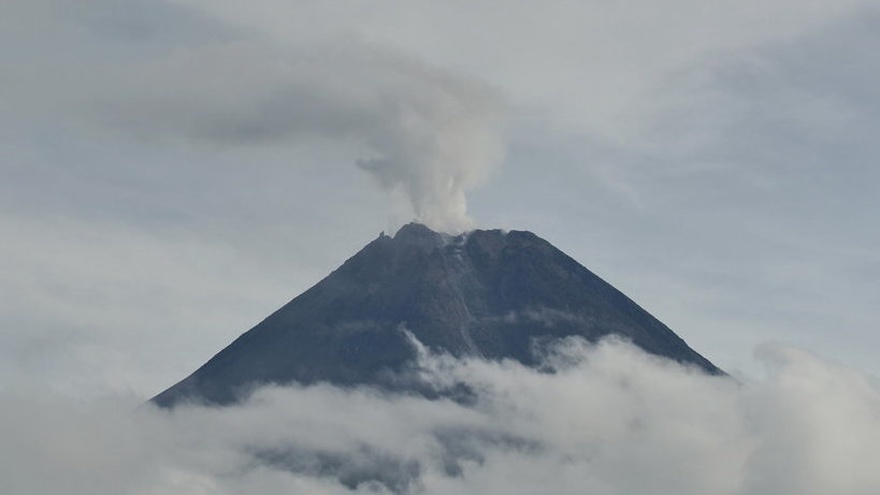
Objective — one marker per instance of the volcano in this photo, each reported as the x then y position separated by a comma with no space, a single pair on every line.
486,293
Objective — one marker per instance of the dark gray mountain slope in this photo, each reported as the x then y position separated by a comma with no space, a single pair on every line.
484,293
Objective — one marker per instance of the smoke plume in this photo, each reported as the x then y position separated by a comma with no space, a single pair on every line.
425,134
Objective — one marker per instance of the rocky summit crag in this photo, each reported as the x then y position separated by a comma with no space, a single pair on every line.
485,293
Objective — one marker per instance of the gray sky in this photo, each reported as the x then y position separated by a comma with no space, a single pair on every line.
174,171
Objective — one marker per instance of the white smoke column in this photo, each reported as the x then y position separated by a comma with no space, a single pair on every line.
426,133
438,139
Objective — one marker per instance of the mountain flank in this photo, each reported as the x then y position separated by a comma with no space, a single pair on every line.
486,293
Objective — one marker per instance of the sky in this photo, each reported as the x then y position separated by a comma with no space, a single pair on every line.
175,170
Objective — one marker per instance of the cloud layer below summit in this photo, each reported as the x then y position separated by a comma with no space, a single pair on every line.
610,420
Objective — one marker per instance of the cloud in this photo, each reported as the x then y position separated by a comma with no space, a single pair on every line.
610,419
583,68
427,135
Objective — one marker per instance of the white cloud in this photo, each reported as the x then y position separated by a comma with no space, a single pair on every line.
428,133
610,420
582,68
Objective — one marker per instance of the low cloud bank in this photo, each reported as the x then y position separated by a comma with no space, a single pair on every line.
603,419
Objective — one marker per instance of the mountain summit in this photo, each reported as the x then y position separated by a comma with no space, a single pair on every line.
486,293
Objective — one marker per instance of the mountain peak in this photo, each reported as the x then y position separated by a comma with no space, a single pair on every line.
485,293
420,236
415,229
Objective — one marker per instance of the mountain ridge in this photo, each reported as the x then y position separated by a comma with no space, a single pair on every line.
485,293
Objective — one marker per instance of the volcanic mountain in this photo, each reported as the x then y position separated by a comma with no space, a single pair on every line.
486,293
